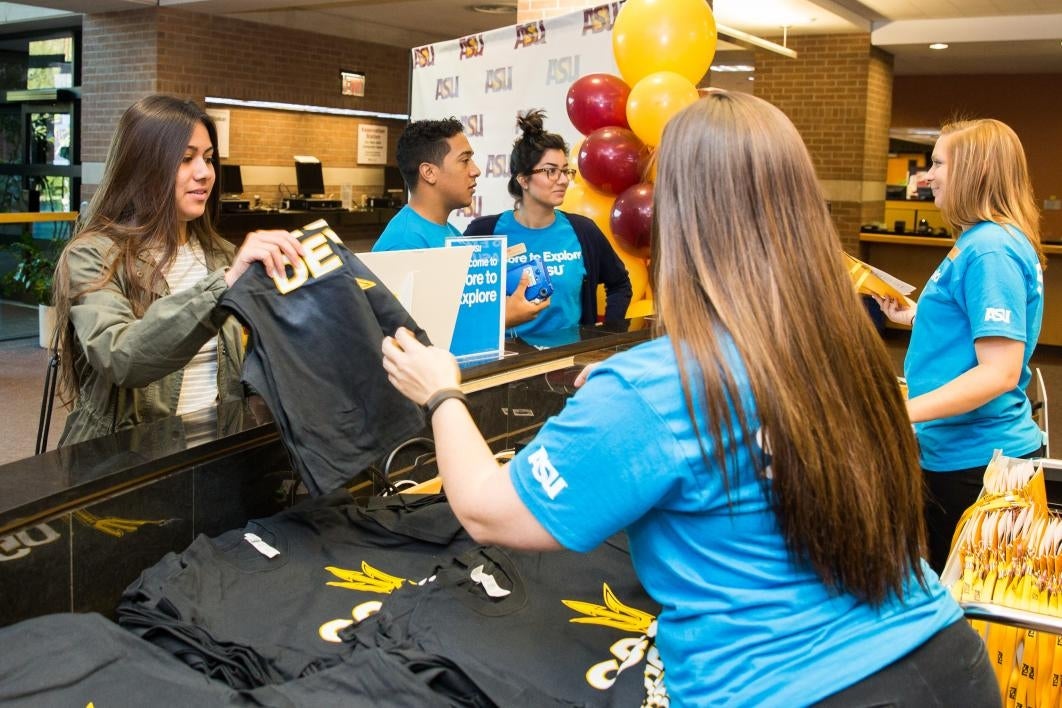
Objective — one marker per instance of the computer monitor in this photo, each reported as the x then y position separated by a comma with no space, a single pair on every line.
393,179
231,180
394,187
309,178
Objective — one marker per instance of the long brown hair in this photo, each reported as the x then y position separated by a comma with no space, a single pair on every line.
135,207
988,179
744,249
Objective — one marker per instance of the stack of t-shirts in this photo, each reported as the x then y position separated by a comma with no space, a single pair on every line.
85,660
532,629
314,356
377,677
263,604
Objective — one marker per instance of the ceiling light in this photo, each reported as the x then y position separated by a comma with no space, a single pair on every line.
732,67
497,9
938,45
302,108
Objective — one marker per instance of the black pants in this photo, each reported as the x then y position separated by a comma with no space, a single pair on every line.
948,495
951,669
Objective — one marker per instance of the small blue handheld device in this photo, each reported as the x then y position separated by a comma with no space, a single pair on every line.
540,286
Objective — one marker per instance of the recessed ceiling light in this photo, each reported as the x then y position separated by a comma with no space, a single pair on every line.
494,9
732,67
938,45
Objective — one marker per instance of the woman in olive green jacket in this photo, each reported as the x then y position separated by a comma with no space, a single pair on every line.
137,288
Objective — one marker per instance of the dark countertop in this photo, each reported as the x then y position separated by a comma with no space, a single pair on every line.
357,228
1050,246
40,487
906,232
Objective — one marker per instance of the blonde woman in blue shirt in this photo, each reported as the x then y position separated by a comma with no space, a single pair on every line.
978,319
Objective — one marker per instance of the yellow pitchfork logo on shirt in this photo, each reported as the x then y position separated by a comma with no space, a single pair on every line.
625,652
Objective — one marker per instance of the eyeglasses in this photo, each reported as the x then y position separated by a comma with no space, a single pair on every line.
554,173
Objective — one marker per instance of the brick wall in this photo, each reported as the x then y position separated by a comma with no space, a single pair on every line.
203,55
824,93
528,10
270,138
128,55
119,62
838,93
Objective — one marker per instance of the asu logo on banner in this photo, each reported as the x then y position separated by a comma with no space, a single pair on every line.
448,87
471,47
474,210
497,166
423,57
499,80
562,70
601,17
529,34
473,125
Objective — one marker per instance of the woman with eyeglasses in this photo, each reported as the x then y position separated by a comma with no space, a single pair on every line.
575,253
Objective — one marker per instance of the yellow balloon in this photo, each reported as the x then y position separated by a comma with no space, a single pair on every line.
642,308
664,35
655,100
638,271
639,275
583,199
597,206
637,268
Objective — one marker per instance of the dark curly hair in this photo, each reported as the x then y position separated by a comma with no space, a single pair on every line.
424,141
528,148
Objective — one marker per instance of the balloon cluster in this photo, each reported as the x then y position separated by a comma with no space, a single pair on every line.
662,48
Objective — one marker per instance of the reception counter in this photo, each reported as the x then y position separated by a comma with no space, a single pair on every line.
914,258
78,524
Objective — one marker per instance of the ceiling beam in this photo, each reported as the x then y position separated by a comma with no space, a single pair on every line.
969,29
851,11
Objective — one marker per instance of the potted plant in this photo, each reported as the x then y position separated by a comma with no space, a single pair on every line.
31,279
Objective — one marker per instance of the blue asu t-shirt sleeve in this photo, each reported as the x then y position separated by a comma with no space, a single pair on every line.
994,292
598,465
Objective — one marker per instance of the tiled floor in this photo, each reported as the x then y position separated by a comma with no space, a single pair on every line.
23,365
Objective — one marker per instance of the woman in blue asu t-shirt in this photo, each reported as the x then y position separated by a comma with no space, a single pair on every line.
743,451
977,323
576,255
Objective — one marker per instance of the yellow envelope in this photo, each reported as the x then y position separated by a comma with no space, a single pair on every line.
867,282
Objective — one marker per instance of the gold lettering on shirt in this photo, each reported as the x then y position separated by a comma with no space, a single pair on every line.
318,258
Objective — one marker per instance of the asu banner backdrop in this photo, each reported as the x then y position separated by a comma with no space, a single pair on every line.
486,79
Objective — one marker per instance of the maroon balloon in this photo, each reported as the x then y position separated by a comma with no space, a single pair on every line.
611,159
596,101
632,219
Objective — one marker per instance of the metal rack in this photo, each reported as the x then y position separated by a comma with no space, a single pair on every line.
1011,617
